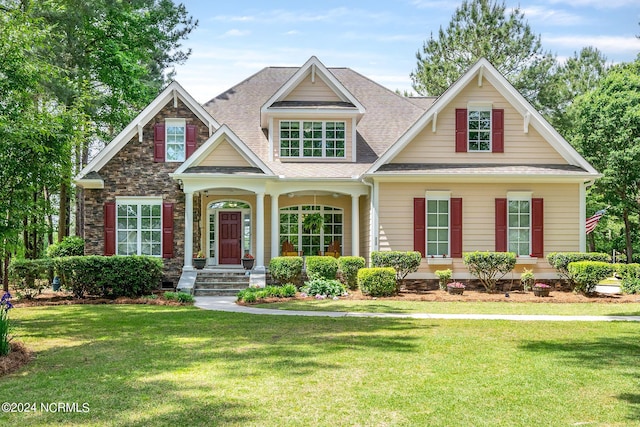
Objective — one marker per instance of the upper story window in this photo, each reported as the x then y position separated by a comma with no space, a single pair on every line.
175,145
479,128
312,139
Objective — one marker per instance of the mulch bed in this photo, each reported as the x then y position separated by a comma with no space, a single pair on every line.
17,357
64,298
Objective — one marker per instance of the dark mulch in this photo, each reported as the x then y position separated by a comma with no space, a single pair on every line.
17,357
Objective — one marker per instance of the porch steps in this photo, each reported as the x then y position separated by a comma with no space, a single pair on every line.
220,282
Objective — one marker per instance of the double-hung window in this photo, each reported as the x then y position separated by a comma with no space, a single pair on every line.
175,145
438,223
479,128
312,139
519,224
139,226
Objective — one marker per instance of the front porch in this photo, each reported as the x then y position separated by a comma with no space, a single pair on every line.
227,222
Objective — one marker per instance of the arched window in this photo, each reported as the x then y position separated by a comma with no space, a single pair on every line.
311,242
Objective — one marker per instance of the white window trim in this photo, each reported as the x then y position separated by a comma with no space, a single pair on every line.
521,196
216,227
480,106
175,122
301,213
143,200
301,139
436,196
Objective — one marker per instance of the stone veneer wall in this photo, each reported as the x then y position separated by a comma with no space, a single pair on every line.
132,172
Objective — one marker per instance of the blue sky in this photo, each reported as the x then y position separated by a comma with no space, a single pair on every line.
379,39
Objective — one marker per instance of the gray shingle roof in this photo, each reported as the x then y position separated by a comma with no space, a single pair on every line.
388,116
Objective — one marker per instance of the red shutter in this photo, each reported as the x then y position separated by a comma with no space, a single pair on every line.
537,228
501,225
109,228
158,143
456,227
497,131
419,224
192,131
461,130
167,230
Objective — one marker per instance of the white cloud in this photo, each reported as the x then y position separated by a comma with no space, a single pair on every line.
236,33
598,4
292,33
607,44
551,16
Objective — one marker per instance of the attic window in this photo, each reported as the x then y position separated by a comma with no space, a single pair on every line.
479,125
175,140
312,139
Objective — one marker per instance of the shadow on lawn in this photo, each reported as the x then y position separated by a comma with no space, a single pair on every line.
127,359
617,355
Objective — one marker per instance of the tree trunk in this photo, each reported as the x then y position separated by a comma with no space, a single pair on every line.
591,240
5,275
627,235
64,207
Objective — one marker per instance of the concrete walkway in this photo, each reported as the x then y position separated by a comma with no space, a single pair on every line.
228,304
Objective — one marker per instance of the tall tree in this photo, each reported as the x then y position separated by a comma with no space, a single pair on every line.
115,56
607,134
578,75
482,28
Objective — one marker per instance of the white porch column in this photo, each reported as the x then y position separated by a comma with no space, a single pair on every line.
260,229
275,225
188,231
355,225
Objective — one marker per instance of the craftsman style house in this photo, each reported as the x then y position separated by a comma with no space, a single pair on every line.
474,169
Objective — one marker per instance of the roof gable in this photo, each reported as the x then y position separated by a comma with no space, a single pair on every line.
330,93
223,141
173,92
531,117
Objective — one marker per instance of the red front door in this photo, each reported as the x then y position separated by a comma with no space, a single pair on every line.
230,236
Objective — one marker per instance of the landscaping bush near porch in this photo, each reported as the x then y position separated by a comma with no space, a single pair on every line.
325,267
349,267
377,281
561,260
286,269
112,277
489,267
587,274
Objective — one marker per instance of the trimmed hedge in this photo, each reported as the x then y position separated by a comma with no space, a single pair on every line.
489,267
111,277
322,267
70,246
587,274
30,276
561,260
377,281
349,266
402,262
286,269
630,274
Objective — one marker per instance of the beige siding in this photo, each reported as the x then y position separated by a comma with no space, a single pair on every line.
224,155
439,146
561,215
308,91
348,141
365,227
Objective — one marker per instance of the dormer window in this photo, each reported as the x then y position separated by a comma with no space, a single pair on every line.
175,140
312,139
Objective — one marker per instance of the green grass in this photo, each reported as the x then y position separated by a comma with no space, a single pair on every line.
440,307
155,366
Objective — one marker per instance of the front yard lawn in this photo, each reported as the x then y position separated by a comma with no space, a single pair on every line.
156,365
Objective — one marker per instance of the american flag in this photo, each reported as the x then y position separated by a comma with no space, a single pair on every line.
592,221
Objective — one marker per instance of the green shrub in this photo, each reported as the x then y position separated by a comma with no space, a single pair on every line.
587,274
377,281
325,267
489,267
286,269
627,270
30,276
402,262
251,295
182,297
70,246
112,277
630,285
443,278
561,260
349,266
527,279
326,287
